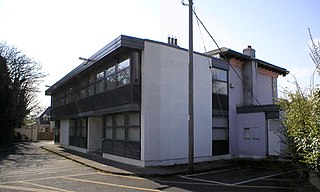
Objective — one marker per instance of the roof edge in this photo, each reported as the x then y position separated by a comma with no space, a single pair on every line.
229,53
120,41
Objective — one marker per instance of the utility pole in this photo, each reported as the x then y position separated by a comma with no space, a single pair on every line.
191,111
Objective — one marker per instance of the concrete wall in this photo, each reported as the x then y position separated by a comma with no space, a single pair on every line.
94,133
255,145
164,108
265,89
64,132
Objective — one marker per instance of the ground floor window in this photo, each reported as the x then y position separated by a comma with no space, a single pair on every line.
220,136
121,134
57,132
78,132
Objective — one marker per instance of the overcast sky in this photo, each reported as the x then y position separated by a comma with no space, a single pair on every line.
57,32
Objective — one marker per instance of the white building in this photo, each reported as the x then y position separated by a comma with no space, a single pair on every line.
130,101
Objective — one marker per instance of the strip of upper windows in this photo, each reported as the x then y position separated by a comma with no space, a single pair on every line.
101,81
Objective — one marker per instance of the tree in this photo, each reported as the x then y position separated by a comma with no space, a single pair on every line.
6,117
314,48
302,121
25,75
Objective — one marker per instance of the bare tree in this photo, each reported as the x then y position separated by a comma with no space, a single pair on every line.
25,75
314,51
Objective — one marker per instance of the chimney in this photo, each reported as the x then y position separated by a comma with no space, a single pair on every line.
172,40
249,52
249,74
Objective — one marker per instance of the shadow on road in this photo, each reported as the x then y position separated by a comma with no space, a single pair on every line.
5,151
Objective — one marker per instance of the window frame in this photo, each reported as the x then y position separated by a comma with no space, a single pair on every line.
126,143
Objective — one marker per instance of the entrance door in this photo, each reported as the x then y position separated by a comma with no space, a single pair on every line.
274,140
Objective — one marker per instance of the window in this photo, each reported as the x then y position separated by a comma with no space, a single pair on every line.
134,127
220,87
91,90
100,75
126,138
255,133
219,74
219,134
219,128
100,86
220,107
78,132
100,82
123,73
219,81
110,78
135,62
103,79
246,133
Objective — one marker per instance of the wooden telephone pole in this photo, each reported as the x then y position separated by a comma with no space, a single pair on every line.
190,104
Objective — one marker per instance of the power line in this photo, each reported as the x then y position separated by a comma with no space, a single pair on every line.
251,93
218,97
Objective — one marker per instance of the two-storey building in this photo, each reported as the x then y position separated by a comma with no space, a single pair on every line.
130,101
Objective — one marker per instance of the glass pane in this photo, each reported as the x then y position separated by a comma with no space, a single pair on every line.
83,122
70,98
72,123
110,71
124,64
71,131
218,74
83,82
219,122
134,119
111,82
108,121
83,93
135,63
78,131
246,133
123,76
134,133
100,86
92,77
119,134
120,120
255,133
108,133
91,90
83,132
219,134
220,87
100,75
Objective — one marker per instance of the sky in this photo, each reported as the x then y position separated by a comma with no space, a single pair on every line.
57,32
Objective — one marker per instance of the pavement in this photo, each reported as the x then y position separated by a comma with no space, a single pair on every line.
96,162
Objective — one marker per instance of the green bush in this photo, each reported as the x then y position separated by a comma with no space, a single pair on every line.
302,121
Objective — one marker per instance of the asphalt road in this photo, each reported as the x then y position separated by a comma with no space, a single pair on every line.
27,167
